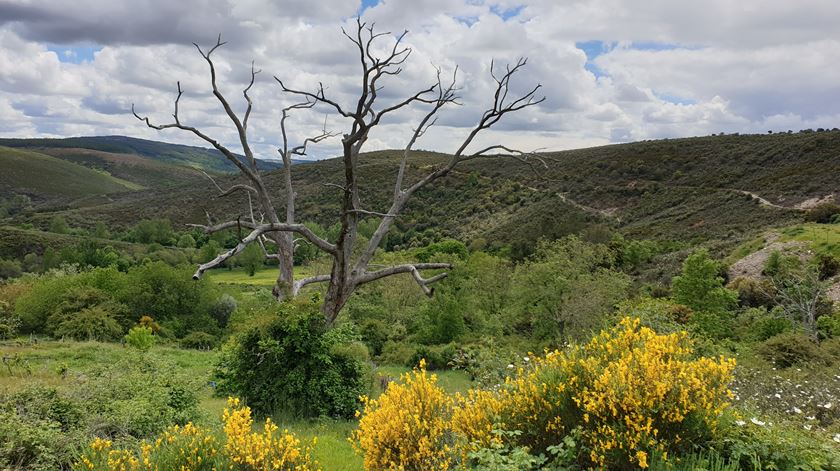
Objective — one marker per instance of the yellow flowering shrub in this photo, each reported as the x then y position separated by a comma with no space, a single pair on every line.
625,395
191,448
641,392
407,427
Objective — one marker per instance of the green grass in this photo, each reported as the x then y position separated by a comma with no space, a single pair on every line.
822,238
39,363
264,277
27,172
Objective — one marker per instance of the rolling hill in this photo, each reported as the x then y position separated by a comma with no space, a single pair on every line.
199,158
716,190
50,178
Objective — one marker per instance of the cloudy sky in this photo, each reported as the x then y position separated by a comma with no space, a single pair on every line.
611,70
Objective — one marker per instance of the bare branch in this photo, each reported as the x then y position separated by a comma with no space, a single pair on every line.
299,284
397,269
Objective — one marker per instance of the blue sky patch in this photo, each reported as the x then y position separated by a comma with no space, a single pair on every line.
367,4
74,54
506,13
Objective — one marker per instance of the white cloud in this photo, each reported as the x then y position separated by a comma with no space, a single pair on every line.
672,68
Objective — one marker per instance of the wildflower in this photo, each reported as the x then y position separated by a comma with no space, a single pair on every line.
740,423
807,427
836,437
510,366
797,410
757,422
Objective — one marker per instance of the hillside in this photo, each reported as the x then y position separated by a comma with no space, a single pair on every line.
49,178
691,190
185,156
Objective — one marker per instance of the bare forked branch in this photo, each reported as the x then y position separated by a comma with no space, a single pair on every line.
256,232
234,188
413,269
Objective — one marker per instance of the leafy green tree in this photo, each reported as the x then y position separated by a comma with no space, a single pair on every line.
186,241
140,337
100,230
251,259
150,231
59,225
566,290
294,364
209,251
52,259
700,286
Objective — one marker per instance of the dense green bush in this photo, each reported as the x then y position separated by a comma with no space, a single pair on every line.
446,246
759,324
566,290
199,341
823,213
43,428
9,269
292,364
791,348
154,289
700,287
140,337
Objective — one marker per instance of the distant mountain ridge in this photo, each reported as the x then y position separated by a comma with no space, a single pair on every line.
200,158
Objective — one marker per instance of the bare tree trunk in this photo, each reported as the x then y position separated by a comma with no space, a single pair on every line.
348,273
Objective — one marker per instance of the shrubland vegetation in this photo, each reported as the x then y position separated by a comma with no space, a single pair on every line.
648,353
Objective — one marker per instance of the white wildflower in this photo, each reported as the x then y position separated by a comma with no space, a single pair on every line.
757,422
740,423
807,427
797,410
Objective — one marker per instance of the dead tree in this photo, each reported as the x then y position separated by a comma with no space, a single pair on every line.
348,272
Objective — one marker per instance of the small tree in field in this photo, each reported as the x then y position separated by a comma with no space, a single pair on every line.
350,268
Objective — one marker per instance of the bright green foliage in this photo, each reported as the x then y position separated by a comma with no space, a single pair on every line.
700,287
43,428
251,259
566,290
92,323
100,230
293,365
186,241
199,341
140,338
150,231
446,246
209,251
167,294
9,322
58,225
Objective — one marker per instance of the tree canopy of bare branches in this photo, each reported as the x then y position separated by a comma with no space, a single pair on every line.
350,268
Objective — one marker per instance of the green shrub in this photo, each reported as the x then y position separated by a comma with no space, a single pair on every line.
827,266
293,364
565,291
397,353
753,292
9,269
700,287
140,337
222,309
92,323
446,246
829,326
758,324
791,348
823,213
199,341
437,357
9,322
